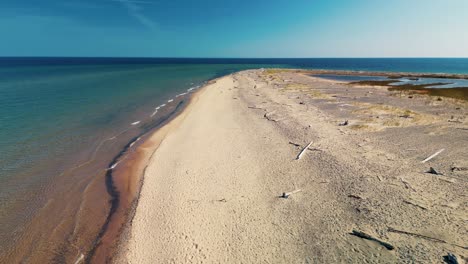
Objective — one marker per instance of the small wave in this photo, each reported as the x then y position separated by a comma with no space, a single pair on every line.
113,166
133,143
154,113
163,105
136,123
188,90
170,100
80,258
181,94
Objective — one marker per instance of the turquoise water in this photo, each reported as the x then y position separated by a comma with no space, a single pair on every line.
55,118
63,120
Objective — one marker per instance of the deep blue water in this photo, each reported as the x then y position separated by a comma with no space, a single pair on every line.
423,65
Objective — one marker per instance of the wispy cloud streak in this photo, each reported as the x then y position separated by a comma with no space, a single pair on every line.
134,10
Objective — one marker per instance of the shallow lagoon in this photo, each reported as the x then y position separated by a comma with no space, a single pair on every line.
448,83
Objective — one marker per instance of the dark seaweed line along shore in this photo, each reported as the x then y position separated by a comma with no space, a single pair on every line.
112,190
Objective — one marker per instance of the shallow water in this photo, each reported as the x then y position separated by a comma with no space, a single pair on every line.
448,83
63,120
61,126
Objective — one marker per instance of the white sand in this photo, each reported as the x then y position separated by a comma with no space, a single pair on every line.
210,192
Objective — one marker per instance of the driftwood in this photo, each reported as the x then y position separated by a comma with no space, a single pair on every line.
456,168
407,184
287,194
355,196
345,123
455,121
433,171
393,230
432,156
303,150
451,259
254,107
417,205
447,179
267,116
295,144
369,237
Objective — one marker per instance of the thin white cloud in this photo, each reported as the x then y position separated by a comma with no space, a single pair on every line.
134,9
134,1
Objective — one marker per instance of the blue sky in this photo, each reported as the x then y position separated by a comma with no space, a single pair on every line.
234,28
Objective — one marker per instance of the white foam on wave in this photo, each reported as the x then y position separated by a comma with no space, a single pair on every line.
154,113
188,90
170,100
113,166
133,143
136,123
80,258
181,94
163,105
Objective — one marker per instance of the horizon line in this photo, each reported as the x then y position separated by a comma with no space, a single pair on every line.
162,57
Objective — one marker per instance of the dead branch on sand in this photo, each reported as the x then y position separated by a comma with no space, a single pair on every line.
287,194
451,259
432,156
369,237
345,123
393,230
255,107
414,204
303,150
407,184
295,144
433,171
267,116
355,196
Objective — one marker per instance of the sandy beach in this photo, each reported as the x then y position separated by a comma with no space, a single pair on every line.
212,186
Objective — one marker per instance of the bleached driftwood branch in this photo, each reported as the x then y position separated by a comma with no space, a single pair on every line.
287,194
393,230
432,156
295,144
255,107
303,150
415,204
407,184
369,237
